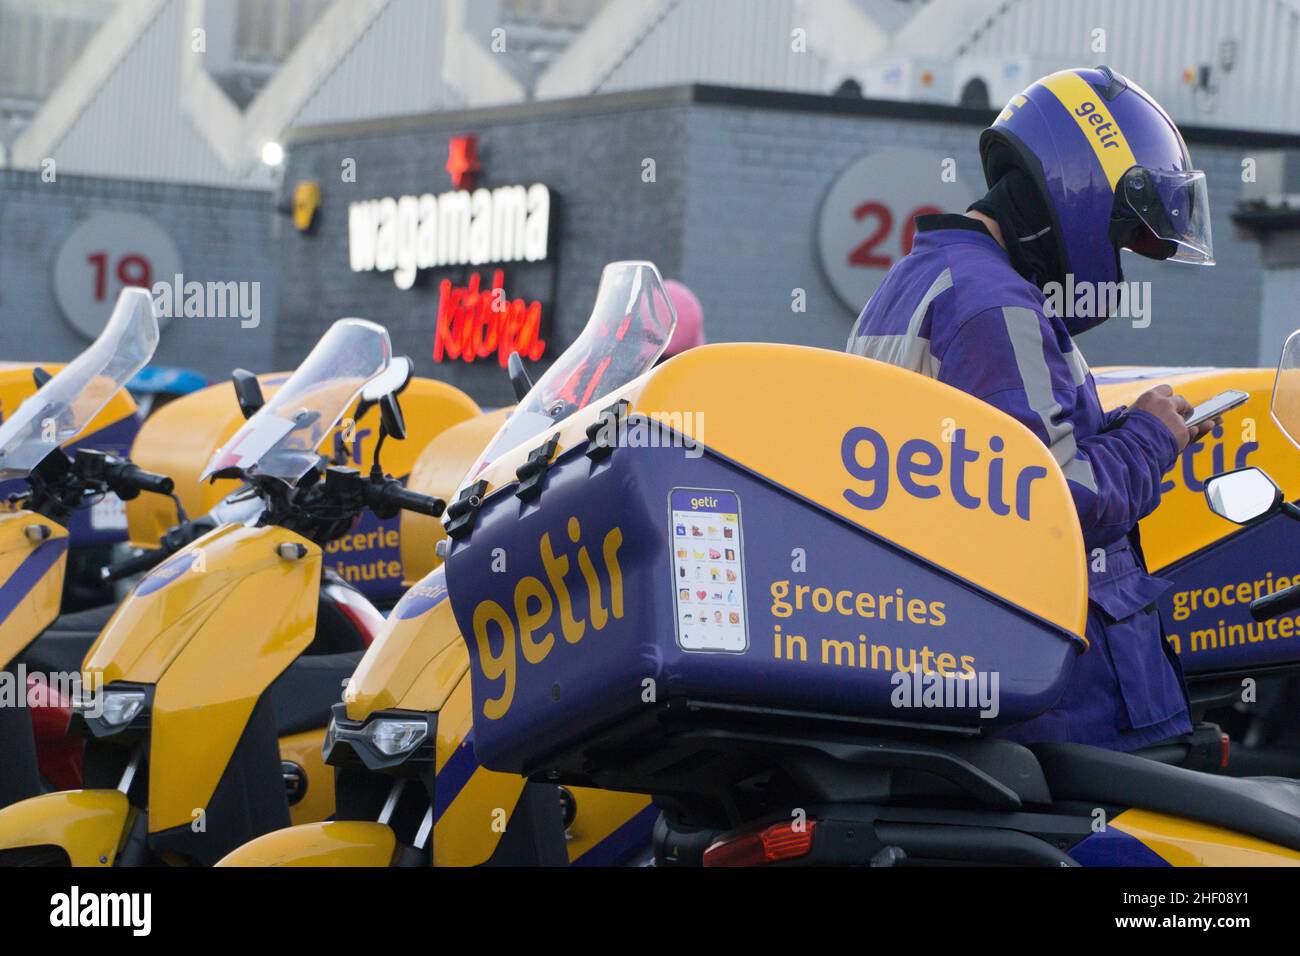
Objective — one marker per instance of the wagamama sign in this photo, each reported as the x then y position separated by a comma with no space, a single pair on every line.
457,228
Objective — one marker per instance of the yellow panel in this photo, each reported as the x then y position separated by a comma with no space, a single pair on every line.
438,679
438,471
414,663
783,411
229,597
1187,843
37,598
1183,524
421,664
151,627
202,704
469,829
341,843
600,813
305,750
88,824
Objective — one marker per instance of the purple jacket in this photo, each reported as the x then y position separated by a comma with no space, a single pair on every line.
955,310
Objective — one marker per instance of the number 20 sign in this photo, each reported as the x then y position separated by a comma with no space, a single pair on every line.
867,220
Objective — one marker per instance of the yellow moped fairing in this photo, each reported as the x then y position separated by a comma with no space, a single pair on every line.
88,825
211,628
33,557
337,843
1189,843
408,665
1182,525
304,749
419,664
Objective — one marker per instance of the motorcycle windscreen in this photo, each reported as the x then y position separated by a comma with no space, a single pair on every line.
1286,389
283,438
66,404
629,328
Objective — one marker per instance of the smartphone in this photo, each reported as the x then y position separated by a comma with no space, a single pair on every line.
708,570
1216,406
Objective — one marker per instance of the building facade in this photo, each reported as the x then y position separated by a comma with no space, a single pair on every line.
781,211
68,245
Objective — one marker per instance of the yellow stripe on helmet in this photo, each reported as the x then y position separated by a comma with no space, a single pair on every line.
1095,121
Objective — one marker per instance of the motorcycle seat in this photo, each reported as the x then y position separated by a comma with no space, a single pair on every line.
1264,807
302,696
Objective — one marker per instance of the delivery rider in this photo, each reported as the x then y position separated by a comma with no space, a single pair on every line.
1082,164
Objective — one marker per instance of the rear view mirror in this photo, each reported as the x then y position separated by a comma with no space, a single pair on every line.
391,418
248,392
391,381
1243,496
519,380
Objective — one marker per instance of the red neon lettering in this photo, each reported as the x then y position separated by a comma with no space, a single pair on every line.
474,323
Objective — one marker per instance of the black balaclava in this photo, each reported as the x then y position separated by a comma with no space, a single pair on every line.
1015,203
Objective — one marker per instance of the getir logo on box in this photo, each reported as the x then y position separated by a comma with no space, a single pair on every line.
924,470
540,619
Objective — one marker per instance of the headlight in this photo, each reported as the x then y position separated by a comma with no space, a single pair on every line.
116,708
393,737
122,706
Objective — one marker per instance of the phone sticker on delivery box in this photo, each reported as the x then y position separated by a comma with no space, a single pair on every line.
708,570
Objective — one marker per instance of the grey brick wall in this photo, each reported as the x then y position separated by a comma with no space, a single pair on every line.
756,181
602,211
222,235
733,213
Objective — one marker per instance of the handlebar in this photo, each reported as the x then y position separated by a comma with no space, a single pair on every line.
97,467
130,478
390,496
175,539
383,495
1275,604
134,565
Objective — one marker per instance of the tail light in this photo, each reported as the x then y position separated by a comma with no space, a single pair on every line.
58,754
775,844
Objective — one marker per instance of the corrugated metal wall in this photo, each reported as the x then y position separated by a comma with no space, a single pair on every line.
728,42
1154,41
394,69
39,41
144,135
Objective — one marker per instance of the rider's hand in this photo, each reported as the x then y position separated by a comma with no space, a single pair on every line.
1172,409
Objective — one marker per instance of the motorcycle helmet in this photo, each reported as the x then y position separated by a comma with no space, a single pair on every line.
689,332
1111,167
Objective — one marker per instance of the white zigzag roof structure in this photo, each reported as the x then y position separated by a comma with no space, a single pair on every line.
141,104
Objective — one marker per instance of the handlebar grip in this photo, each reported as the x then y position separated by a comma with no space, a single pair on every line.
134,565
141,480
1275,604
394,495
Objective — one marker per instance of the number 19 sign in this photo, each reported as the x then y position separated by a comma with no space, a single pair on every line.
867,220
103,255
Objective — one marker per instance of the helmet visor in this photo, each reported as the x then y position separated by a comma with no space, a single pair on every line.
1174,206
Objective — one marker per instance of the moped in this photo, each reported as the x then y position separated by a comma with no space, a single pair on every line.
219,669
